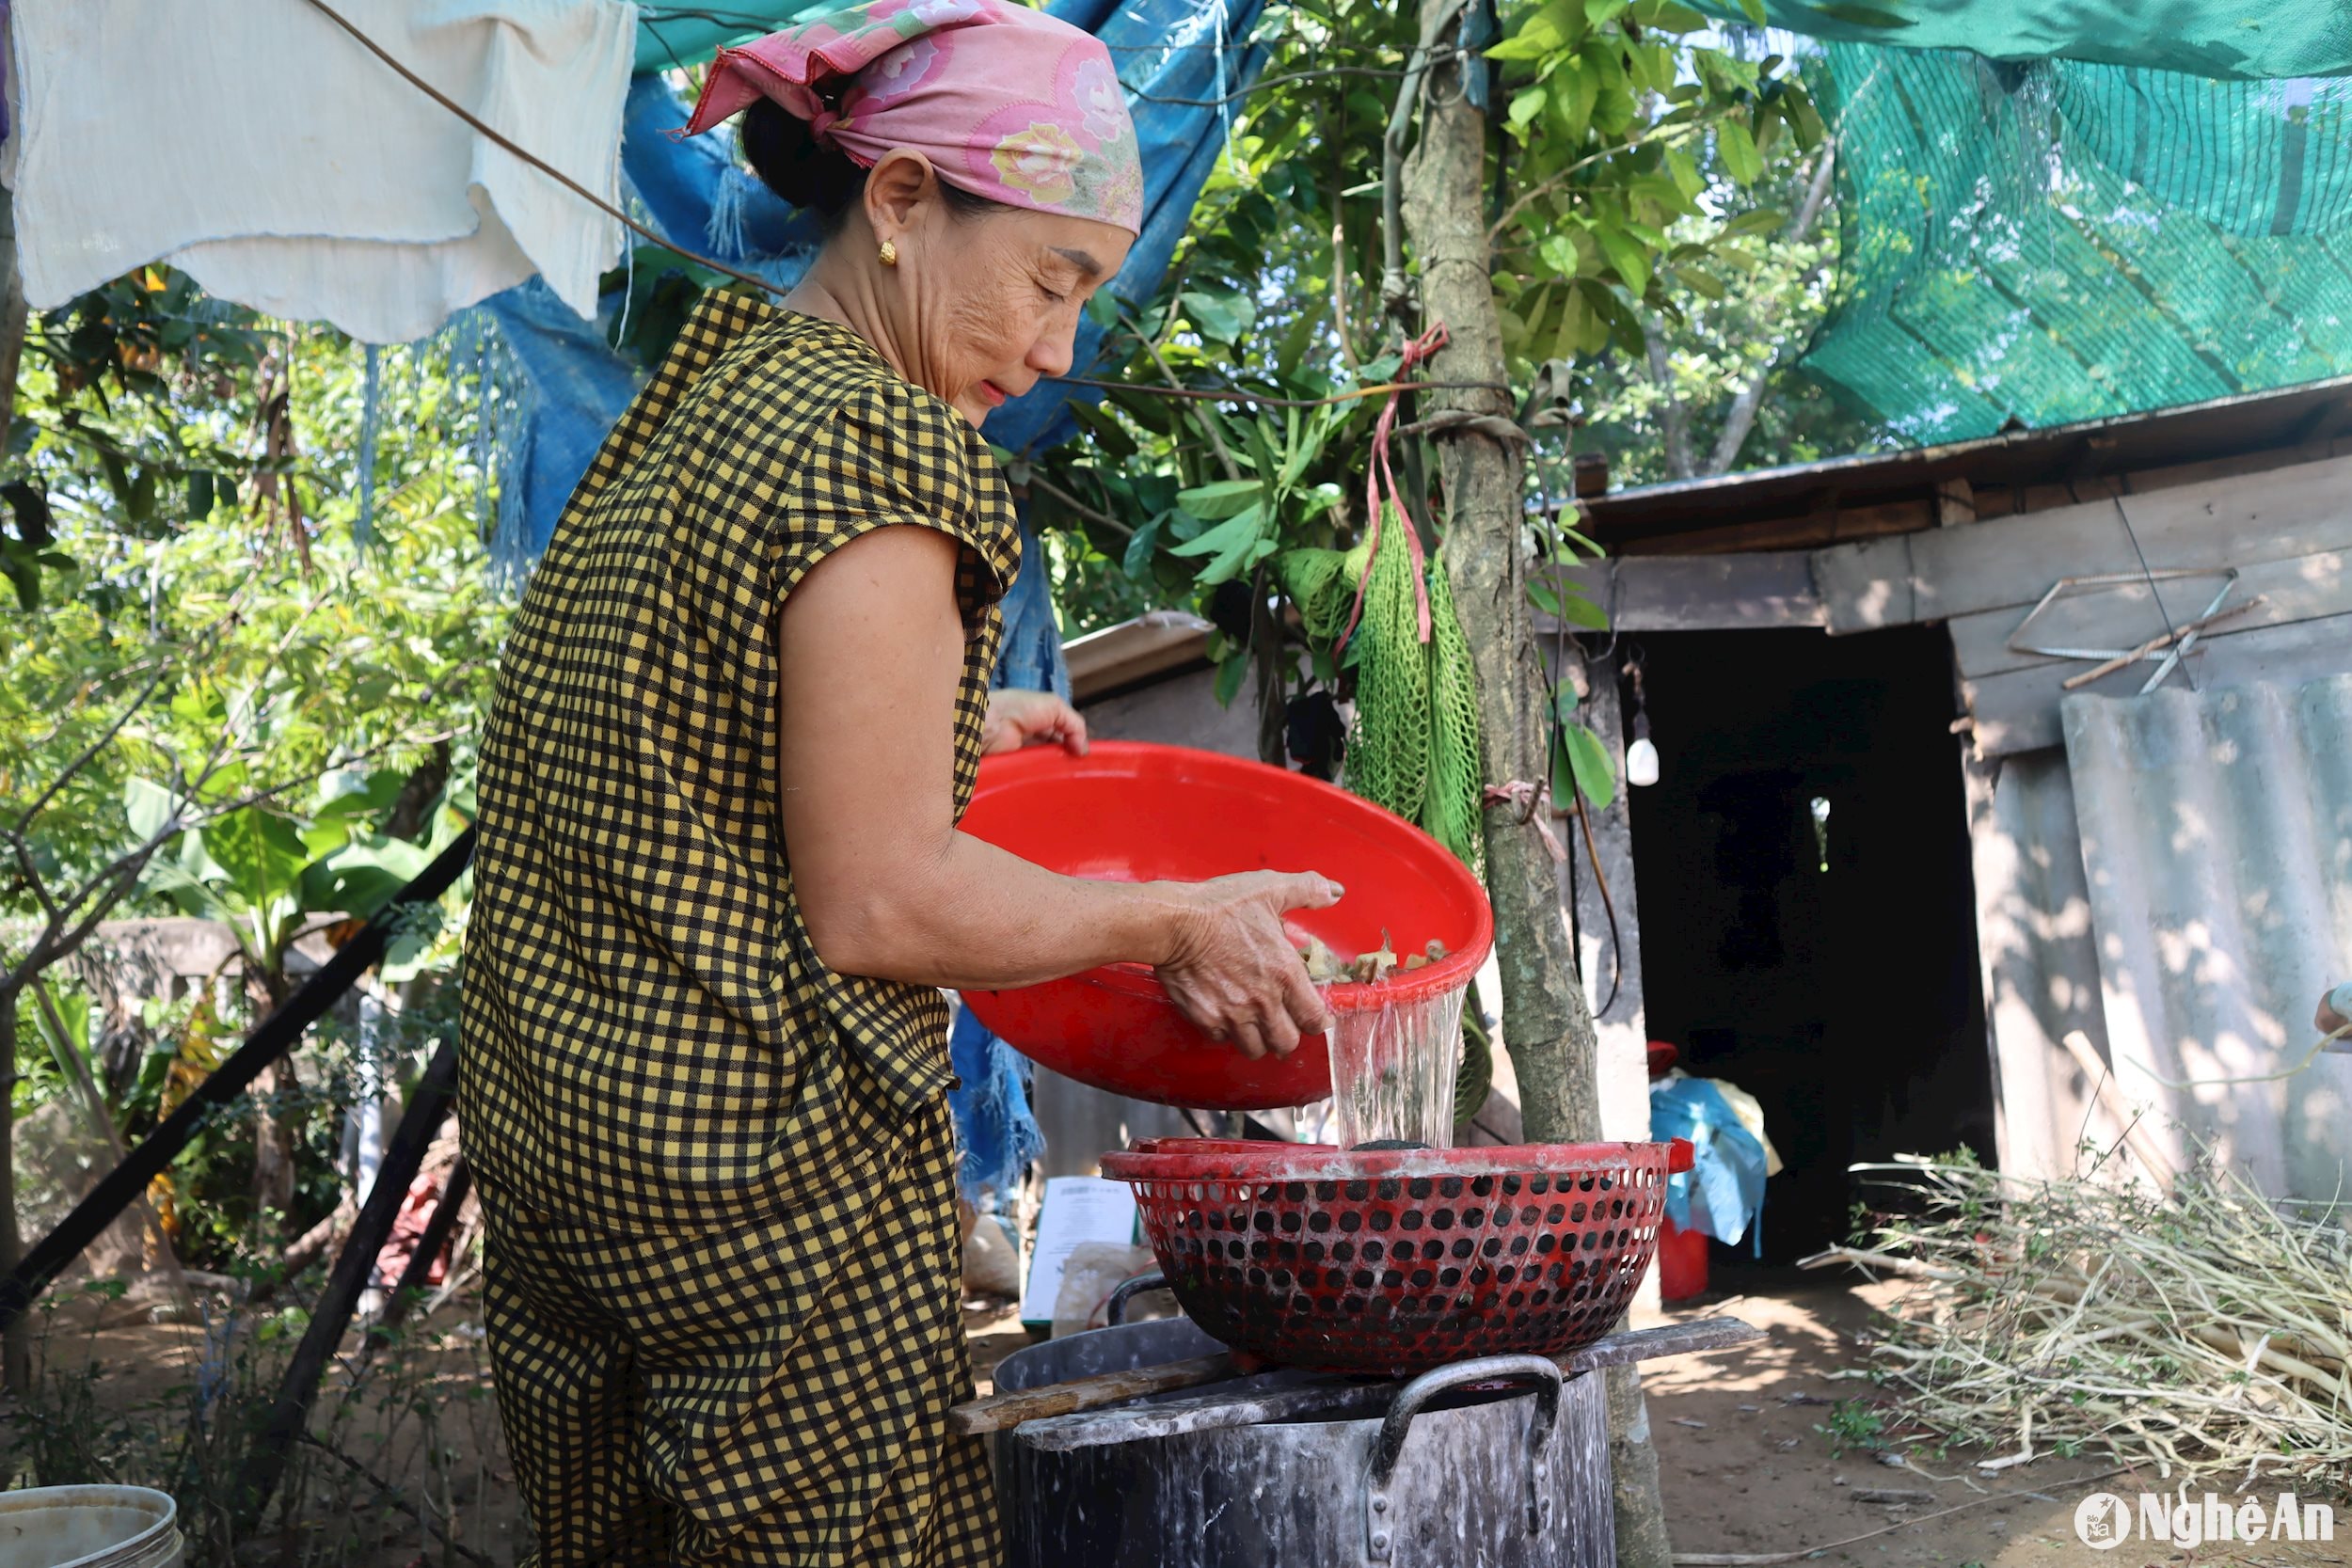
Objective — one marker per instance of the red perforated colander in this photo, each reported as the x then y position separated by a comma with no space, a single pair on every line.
1392,1263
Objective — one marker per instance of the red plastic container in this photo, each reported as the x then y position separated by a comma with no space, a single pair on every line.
1130,812
1681,1262
1390,1263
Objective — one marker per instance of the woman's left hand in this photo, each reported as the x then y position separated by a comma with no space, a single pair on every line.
1018,719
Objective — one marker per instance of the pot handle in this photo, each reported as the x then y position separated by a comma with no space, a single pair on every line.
1380,1527
1115,1311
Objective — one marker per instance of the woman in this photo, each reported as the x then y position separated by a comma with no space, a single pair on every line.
721,883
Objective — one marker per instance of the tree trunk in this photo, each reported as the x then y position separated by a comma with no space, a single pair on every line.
16,1346
1547,1027
1673,423
1742,418
273,1128
1545,1024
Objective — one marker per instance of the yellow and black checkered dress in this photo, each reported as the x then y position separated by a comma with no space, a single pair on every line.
722,1285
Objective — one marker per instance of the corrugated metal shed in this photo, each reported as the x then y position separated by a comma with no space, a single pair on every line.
2178,886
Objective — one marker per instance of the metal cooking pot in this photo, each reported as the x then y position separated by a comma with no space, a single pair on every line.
1513,1473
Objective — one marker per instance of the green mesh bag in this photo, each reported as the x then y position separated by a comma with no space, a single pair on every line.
1388,750
1414,745
1454,811
1321,583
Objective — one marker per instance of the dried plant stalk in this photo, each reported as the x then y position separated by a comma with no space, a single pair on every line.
2205,1330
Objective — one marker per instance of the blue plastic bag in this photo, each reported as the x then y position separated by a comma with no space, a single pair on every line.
1723,1192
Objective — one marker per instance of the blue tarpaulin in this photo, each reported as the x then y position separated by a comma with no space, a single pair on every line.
572,386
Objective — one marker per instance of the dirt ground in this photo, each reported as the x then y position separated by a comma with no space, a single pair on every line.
1748,1471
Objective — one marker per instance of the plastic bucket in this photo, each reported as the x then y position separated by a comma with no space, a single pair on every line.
89,1527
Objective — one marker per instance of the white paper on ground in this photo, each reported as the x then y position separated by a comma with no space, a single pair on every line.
1077,1210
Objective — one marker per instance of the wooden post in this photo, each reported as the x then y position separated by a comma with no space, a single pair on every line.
266,1461
1547,1027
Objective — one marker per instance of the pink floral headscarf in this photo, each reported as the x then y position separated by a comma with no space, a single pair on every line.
1007,103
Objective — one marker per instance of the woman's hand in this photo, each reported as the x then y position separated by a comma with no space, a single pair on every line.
1018,719
1234,970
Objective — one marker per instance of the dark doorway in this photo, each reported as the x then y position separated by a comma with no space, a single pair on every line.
1808,912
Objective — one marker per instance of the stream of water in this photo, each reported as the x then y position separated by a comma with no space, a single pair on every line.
1392,1072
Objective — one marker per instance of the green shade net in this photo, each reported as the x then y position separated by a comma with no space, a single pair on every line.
2197,37
2055,241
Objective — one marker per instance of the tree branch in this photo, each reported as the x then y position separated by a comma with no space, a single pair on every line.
1081,508
1740,419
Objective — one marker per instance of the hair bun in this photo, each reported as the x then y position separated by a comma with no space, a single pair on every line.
791,162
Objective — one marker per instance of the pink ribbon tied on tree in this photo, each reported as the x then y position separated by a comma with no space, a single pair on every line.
1381,494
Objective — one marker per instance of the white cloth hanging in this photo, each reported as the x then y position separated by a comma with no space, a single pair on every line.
261,150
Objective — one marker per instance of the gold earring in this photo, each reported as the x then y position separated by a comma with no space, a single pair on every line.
889,253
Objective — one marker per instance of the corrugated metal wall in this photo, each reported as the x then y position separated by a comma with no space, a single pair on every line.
2177,883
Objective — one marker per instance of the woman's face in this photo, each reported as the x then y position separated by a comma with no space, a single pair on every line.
989,305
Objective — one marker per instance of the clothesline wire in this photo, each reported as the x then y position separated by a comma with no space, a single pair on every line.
1230,394
499,140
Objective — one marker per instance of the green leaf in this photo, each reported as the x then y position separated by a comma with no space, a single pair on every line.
1670,17
1627,255
1685,170
1222,317
1547,31
1231,542
1560,253
1736,147
1223,499
1575,90
1296,341
1577,609
1109,435
1526,105
1228,678
1599,11
1589,763
1139,548
1544,596
1576,326
1103,309
149,807
1763,220
201,496
1754,10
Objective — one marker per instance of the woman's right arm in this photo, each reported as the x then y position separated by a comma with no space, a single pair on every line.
872,645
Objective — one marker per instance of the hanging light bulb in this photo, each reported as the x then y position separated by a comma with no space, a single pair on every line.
1641,757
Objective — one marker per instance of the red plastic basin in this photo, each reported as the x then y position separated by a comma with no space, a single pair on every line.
1130,812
